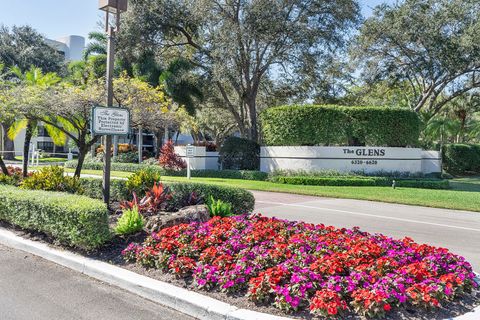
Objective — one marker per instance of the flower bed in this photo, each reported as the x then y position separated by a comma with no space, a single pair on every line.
296,266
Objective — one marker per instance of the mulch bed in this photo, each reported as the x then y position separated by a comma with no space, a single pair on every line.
111,253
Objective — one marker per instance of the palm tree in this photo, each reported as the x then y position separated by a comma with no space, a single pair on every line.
97,45
34,78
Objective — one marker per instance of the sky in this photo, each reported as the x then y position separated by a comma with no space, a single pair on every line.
57,18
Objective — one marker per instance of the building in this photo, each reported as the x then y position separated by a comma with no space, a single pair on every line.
71,47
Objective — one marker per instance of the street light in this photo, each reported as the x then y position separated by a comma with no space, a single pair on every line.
115,7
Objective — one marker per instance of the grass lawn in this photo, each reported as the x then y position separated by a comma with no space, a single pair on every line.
461,198
44,160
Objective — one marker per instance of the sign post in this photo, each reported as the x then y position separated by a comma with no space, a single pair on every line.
109,122
190,153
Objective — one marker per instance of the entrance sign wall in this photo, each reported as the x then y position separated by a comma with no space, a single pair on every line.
348,159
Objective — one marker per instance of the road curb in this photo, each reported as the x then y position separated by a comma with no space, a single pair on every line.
188,302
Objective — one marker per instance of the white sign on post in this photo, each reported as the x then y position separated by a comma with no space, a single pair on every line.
190,153
110,121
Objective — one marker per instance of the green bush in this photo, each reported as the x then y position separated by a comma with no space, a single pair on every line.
70,219
242,200
92,187
361,181
130,222
461,158
239,154
51,178
229,174
142,180
127,157
325,181
218,208
338,125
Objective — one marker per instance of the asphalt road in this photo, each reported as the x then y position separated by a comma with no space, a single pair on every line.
34,289
458,231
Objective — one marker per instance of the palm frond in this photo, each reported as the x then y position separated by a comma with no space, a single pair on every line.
16,128
58,137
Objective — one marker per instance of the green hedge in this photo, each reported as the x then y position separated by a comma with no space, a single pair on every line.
71,219
239,154
133,167
241,200
460,158
361,181
339,125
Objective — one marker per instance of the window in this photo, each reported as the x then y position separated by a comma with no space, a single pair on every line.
46,146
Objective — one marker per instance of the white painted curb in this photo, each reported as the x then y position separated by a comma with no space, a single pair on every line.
182,300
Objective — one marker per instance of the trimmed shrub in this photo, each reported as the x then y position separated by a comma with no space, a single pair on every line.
134,167
311,125
127,157
229,174
239,154
241,200
361,181
460,158
71,219
92,188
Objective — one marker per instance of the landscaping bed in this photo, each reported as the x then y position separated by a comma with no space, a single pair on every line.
275,266
111,253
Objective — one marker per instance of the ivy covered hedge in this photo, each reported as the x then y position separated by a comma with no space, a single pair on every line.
308,125
70,219
460,158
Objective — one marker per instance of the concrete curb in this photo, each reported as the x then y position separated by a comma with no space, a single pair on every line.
182,300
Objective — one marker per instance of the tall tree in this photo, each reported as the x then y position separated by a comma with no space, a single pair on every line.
24,47
237,44
434,45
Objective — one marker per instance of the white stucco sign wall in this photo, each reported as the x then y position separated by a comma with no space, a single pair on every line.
110,121
347,159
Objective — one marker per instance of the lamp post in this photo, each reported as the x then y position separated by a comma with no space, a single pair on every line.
115,8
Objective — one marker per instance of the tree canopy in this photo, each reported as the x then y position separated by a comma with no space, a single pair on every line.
237,44
433,45
24,47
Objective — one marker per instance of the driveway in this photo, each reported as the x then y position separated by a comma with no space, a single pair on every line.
34,289
458,231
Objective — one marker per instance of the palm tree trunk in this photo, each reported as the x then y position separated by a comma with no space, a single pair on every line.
26,147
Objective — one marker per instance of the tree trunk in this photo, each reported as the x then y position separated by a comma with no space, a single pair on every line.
253,131
8,145
26,147
3,167
160,133
82,152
